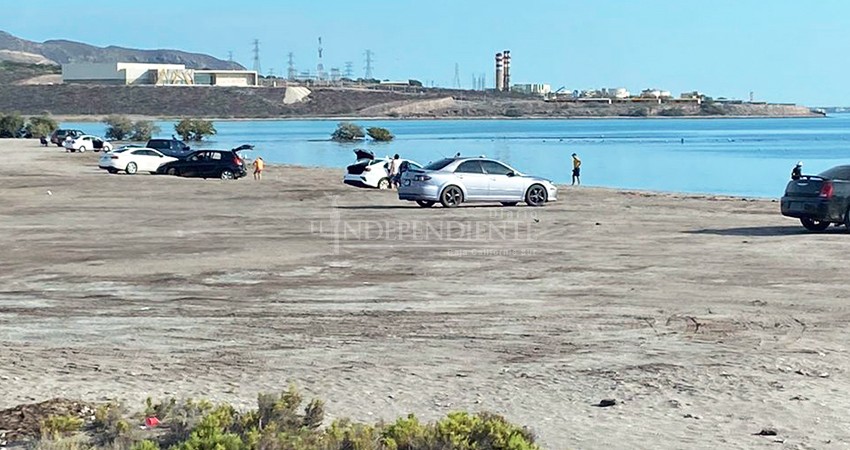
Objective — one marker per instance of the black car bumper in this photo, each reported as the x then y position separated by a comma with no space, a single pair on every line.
810,208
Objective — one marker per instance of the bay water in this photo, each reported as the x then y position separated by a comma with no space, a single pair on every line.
749,157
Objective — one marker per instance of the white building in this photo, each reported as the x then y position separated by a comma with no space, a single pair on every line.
532,88
154,74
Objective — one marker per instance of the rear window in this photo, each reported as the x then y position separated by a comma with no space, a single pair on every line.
440,164
837,173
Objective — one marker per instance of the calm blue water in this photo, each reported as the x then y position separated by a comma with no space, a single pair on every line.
747,157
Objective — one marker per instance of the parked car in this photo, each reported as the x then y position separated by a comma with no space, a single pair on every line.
169,147
133,159
367,171
58,136
819,200
224,164
452,181
86,142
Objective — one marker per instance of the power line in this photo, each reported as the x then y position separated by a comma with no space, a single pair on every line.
291,73
257,67
369,62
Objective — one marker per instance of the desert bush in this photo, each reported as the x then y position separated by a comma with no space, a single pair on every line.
464,431
118,127
41,126
10,125
672,112
380,134
347,131
61,425
143,130
63,443
711,109
145,445
513,112
194,129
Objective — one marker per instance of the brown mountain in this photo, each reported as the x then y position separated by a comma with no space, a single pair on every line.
62,51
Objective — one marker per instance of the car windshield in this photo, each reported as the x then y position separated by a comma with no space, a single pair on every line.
123,149
836,173
439,165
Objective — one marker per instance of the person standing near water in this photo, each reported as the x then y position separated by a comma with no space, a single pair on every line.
576,170
259,165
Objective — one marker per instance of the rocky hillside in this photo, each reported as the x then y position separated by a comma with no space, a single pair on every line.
233,102
62,51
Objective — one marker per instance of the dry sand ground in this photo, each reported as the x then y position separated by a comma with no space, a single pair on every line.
707,319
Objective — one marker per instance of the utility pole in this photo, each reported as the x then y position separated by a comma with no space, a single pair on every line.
291,73
369,62
257,67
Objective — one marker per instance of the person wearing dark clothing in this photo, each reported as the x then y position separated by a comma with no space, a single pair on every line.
797,171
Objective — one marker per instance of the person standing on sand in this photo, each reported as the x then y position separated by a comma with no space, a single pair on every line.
576,170
259,164
392,171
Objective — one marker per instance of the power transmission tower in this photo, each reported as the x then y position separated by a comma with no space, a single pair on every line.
257,67
349,70
291,73
457,76
230,56
369,62
320,68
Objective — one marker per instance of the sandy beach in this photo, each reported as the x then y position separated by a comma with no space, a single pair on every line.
706,318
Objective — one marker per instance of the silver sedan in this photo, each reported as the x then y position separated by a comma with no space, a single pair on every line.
452,181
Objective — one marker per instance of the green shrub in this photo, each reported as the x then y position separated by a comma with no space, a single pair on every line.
464,431
143,130
10,125
145,445
61,425
380,134
41,126
118,127
194,129
347,131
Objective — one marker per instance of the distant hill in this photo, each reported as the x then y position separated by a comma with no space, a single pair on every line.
16,72
62,51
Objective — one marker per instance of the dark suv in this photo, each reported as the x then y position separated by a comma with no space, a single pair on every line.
58,136
224,164
819,200
169,147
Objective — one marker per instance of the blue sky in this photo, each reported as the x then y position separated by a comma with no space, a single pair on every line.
782,50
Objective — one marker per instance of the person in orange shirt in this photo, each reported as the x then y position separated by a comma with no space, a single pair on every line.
259,164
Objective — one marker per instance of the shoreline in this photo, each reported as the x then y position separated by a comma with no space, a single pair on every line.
99,118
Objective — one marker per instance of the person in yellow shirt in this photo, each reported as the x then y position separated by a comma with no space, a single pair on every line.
576,170
259,164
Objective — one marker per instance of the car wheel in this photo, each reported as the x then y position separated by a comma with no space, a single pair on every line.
172,171
425,203
111,170
509,203
226,174
82,150
536,195
131,168
451,197
847,219
384,183
814,225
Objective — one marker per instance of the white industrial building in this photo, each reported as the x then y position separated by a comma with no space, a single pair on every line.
154,74
532,88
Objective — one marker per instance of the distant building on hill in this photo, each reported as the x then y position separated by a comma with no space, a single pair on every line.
154,74
532,89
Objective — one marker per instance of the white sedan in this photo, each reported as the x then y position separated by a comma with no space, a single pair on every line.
133,159
86,142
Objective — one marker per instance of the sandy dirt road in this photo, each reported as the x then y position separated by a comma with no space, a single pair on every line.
707,319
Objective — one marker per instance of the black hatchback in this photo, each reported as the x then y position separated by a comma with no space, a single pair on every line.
224,164
819,200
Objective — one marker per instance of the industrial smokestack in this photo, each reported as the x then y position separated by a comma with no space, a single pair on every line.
500,74
507,71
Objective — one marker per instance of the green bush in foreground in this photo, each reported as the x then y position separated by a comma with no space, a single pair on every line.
281,422
194,129
41,126
118,127
10,125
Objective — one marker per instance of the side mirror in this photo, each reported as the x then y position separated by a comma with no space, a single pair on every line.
511,174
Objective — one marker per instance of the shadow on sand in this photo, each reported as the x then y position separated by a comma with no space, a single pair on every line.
766,231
